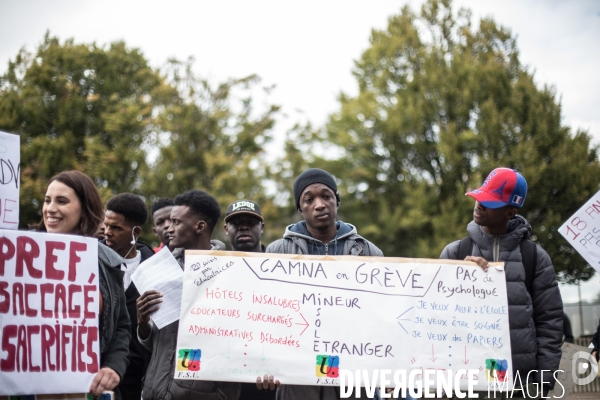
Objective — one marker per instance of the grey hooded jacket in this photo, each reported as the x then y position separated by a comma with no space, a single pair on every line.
535,320
159,382
298,243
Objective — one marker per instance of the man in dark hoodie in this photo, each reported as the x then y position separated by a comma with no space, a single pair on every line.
125,215
317,199
535,309
193,218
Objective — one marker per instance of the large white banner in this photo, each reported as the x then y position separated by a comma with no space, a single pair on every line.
10,165
582,231
305,318
48,313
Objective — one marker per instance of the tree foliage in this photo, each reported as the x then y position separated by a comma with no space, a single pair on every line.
82,107
212,139
440,104
106,112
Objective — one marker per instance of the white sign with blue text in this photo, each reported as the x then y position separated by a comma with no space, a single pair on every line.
10,165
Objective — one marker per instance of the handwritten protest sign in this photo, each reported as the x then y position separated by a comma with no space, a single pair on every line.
305,318
582,231
10,164
48,313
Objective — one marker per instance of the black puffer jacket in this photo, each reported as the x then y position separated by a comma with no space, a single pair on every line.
114,321
535,321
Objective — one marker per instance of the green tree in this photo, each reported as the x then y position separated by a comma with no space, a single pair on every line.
440,104
106,112
211,138
79,106
298,155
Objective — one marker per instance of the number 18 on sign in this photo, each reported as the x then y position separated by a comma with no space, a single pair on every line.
582,231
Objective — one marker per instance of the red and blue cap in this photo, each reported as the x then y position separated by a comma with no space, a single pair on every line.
502,187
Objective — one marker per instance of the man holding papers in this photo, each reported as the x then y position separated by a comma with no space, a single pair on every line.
193,219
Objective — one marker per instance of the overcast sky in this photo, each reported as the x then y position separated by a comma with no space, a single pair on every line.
307,48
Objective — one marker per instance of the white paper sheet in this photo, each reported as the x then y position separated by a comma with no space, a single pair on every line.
163,273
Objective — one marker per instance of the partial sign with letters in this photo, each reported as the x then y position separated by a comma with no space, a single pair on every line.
49,304
582,231
304,319
10,165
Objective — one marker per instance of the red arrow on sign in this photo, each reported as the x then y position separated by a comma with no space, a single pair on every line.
305,323
433,357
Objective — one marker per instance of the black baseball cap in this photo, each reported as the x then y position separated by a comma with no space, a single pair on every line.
243,207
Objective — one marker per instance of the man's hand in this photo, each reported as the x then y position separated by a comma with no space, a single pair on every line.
147,303
268,382
482,262
105,379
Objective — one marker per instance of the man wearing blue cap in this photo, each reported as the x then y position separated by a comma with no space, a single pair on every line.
535,307
317,199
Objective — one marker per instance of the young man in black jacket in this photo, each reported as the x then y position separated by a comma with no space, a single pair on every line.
125,215
193,219
320,233
535,309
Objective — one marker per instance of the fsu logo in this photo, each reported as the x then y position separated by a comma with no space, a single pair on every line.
189,360
496,370
328,366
